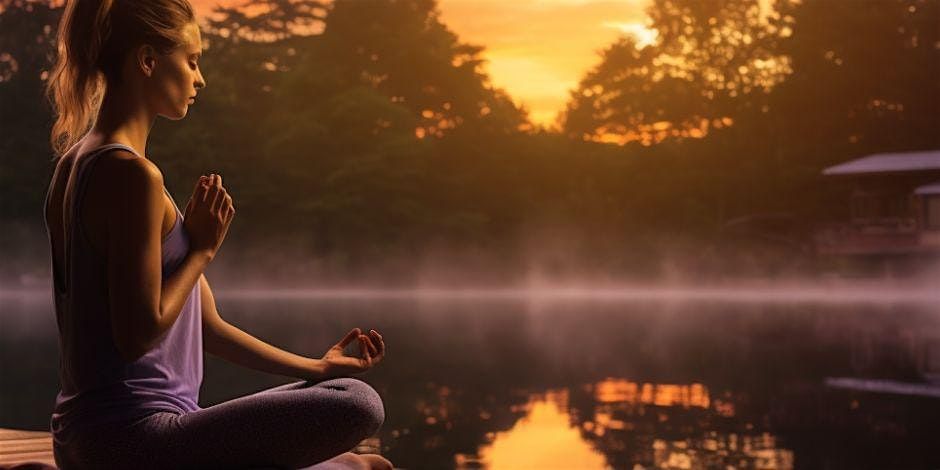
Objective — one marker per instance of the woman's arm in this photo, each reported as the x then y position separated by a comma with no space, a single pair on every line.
143,306
224,340
227,341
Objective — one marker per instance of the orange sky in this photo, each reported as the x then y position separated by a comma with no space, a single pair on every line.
537,49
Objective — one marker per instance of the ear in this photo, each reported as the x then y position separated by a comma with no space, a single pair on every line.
146,59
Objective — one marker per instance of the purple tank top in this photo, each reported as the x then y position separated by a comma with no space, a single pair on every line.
97,385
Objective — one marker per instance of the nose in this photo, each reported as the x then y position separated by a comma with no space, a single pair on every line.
200,81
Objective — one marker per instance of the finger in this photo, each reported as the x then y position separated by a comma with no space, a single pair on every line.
377,357
202,189
348,338
200,183
211,188
211,197
379,342
373,351
364,350
226,207
217,201
374,355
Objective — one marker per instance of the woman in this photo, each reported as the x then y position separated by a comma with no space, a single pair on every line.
134,309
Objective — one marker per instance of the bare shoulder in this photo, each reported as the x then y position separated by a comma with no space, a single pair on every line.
124,182
122,169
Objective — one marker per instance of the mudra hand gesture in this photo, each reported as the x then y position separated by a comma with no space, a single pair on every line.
371,349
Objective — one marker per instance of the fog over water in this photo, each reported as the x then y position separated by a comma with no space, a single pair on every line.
752,374
760,291
658,371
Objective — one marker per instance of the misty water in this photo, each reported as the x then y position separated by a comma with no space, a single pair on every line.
580,379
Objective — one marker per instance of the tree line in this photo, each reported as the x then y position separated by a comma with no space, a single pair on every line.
377,144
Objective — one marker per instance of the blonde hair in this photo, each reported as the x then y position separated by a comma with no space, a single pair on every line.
93,39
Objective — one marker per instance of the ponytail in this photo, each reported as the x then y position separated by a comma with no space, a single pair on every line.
75,88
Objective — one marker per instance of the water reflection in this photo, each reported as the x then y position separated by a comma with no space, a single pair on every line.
624,391
717,450
543,438
618,423
673,426
645,384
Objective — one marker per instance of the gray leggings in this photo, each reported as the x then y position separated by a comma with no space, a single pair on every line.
290,426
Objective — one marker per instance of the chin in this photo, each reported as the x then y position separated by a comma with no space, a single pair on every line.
179,114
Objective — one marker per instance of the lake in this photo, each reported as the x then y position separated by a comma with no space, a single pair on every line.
502,379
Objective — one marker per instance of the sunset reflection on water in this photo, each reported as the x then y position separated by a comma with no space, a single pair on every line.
624,391
506,388
626,424
543,438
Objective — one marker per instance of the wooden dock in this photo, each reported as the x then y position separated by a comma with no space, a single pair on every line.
32,450
18,447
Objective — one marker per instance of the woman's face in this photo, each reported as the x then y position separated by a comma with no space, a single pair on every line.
176,76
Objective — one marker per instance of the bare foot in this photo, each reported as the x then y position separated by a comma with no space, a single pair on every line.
376,462
351,461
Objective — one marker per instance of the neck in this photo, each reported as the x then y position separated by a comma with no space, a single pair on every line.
123,120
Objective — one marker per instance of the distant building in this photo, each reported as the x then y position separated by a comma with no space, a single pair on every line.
893,206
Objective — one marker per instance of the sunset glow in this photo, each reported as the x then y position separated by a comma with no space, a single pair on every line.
537,50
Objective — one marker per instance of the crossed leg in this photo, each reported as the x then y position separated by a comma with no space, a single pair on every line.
295,425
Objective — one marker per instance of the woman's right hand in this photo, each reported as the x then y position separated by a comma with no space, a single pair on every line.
208,215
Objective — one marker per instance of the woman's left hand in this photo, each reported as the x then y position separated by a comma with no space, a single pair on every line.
371,349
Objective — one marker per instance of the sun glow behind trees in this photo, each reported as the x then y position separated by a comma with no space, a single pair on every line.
329,121
539,52
534,49
684,83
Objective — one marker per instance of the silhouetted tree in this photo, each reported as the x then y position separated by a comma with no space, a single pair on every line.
712,61
401,48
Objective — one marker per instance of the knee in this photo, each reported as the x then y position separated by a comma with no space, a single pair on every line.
370,406
366,408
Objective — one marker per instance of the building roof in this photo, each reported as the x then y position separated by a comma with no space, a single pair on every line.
932,188
888,163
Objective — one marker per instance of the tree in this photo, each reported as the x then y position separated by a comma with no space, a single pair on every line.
26,49
713,61
402,49
865,83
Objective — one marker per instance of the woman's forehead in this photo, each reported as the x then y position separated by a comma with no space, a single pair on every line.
192,38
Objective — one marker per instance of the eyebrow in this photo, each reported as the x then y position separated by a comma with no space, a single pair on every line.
197,54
